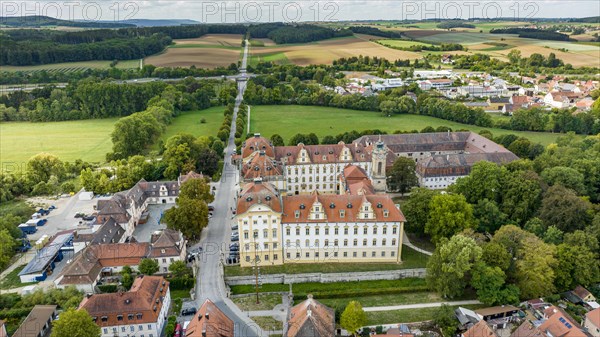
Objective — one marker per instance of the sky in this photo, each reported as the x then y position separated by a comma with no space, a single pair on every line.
219,11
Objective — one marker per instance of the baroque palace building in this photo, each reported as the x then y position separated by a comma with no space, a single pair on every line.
315,204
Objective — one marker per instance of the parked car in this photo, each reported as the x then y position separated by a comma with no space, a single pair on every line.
234,227
177,330
88,217
232,260
211,208
51,207
42,211
234,249
235,238
188,312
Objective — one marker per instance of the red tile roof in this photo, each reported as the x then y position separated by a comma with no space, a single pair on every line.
594,317
258,193
332,204
261,166
560,324
257,143
310,318
142,304
210,321
481,329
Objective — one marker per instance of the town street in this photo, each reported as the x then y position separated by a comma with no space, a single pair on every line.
215,238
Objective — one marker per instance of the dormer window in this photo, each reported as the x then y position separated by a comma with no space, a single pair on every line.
162,251
94,318
130,316
297,214
386,213
139,316
119,317
104,318
317,209
342,213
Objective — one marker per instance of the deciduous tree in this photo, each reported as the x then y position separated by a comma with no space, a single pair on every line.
148,266
402,175
562,208
353,317
416,209
448,215
75,323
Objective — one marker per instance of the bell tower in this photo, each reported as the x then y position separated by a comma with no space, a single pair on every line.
378,161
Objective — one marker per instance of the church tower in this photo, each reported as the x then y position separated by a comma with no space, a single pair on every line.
378,161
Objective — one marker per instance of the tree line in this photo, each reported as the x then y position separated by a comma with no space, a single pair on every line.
454,24
295,33
523,230
533,33
429,47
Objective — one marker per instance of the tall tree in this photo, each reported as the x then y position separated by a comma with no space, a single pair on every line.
148,266
577,265
522,196
353,317
448,215
190,215
445,319
416,209
491,287
562,208
488,216
75,323
402,175
485,181
449,268
535,268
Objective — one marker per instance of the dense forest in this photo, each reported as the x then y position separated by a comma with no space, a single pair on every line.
43,21
287,33
454,24
390,34
30,47
532,33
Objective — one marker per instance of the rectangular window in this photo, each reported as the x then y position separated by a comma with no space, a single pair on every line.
373,254
365,230
132,328
266,257
394,230
374,230
266,246
355,230
274,245
382,254
287,231
307,231
364,254
393,254
297,255
245,235
353,254
307,254
105,331
336,231
288,255
140,327
317,254
326,230
384,230
274,233
149,326
317,231
297,231
275,257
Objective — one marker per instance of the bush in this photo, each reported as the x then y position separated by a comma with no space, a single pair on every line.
203,121
108,288
181,283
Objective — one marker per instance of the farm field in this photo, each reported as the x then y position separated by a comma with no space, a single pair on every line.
73,66
208,51
87,139
288,120
578,54
326,51
402,43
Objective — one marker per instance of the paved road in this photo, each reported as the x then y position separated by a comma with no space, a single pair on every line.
215,238
419,305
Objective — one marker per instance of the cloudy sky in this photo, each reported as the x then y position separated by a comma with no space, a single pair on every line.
303,10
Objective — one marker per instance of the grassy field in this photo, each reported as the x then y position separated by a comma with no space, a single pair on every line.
402,43
74,66
411,259
408,315
12,280
86,139
266,302
278,57
288,120
208,51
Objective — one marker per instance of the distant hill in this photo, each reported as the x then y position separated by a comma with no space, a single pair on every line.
158,23
592,19
37,21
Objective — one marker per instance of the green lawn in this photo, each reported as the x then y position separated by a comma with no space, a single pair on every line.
278,57
394,299
407,315
288,120
190,122
411,259
266,302
87,139
177,297
12,280
350,289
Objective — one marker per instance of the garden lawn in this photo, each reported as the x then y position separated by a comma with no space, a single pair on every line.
267,302
288,120
393,299
332,290
408,315
410,259
12,280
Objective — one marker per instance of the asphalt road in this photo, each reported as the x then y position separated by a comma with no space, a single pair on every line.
215,237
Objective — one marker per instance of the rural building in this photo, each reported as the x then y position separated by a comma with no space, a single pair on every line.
583,294
316,227
592,322
501,311
435,84
38,323
479,329
310,318
210,321
109,232
44,261
559,323
106,259
141,311
127,208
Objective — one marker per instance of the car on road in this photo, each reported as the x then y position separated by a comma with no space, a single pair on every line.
235,238
51,207
211,208
188,312
234,227
88,217
234,249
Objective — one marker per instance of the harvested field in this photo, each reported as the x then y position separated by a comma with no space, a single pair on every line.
324,52
208,51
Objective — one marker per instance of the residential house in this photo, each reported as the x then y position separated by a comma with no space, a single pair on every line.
141,311
528,329
592,322
559,323
310,319
210,321
466,317
106,259
435,84
497,103
109,232
585,104
38,322
560,100
401,331
583,294
502,311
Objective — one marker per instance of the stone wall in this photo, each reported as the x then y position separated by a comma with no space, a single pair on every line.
327,277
